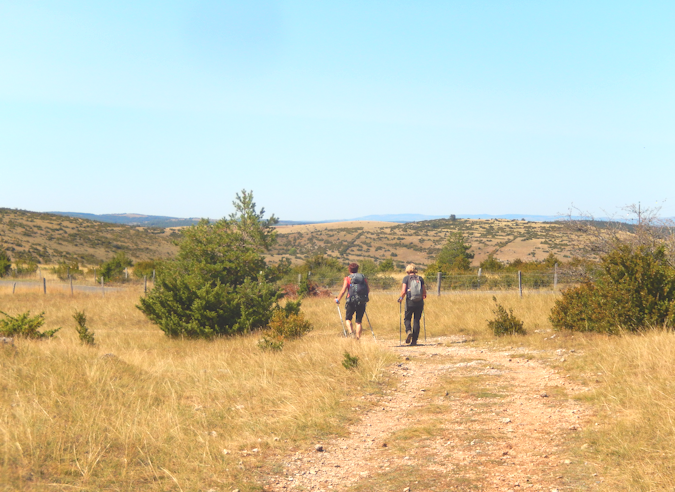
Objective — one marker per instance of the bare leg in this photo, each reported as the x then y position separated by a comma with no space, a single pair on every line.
349,326
358,331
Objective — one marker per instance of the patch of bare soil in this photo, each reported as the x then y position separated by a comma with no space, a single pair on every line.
459,418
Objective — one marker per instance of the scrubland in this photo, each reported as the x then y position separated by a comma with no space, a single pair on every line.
140,411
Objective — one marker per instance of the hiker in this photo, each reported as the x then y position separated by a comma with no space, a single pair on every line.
357,289
415,292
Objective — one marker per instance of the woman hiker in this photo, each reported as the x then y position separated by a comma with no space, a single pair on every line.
415,292
357,289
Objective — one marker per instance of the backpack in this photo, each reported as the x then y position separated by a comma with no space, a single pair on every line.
415,289
358,289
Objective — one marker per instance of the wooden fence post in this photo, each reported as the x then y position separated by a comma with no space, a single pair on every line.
44,285
438,283
14,288
520,283
479,272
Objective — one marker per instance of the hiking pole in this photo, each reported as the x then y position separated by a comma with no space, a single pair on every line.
399,323
371,326
344,332
424,317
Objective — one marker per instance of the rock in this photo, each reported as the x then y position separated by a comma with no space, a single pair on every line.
384,444
213,433
506,420
407,489
254,450
7,341
544,395
319,448
585,446
567,462
225,451
276,438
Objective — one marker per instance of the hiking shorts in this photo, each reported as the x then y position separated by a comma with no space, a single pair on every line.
358,309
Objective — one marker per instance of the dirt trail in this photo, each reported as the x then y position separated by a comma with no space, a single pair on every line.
461,418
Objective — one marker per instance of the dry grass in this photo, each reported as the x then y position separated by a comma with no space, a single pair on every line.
158,413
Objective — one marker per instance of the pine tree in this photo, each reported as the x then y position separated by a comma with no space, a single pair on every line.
219,284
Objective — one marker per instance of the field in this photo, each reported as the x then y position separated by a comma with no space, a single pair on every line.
419,242
464,411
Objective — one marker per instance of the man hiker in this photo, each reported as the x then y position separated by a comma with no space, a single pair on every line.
357,289
415,292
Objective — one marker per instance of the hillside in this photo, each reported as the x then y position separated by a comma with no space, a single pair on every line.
48,238
419,242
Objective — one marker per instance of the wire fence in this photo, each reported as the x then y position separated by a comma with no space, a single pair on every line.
438,284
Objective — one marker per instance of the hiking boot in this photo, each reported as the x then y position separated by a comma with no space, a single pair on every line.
408,339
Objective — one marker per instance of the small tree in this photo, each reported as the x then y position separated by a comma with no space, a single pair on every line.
113,269
5,263
454,256
86,336
219,283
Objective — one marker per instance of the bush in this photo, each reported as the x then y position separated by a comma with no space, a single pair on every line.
349,361
63,269
113,269
86,337
635,290
219,283
5,263
144,268
25,326
272,344
386,266
288,326
505,323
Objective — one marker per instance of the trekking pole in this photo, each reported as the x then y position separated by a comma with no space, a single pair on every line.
400,340
371,326
344,332
424,317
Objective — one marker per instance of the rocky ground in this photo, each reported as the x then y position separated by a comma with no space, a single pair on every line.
455,418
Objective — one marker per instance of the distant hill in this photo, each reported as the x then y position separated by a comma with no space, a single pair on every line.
46,238
405,218
133,219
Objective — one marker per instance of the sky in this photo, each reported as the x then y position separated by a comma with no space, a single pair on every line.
336,110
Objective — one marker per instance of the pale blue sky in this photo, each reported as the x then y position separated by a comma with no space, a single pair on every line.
333,110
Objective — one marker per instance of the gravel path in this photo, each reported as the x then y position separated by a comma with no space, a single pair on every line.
459,418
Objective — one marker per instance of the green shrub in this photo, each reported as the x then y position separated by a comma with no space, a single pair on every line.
86,337
635,290
386,266
144,268
25,326
63,269
113,269
505,323
5,263
270,343
219,283
349,361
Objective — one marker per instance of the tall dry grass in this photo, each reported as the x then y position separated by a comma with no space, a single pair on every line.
143,412
156,414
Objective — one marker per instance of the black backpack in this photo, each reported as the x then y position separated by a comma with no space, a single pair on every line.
358,289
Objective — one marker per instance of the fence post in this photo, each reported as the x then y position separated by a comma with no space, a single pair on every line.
520,283
14,288
299,278
126,274
71,286
555,276
153,277
44,285
479,272
102,287
438,283
145,284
